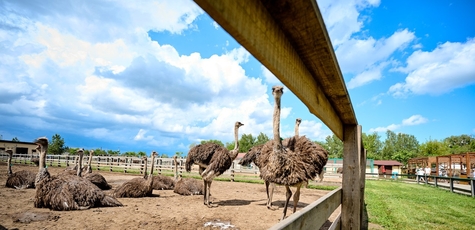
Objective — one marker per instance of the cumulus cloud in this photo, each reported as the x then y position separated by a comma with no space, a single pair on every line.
94,70
411,121
447,67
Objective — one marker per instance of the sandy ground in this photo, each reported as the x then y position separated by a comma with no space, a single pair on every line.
240,206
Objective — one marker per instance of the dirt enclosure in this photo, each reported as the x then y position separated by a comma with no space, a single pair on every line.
240,206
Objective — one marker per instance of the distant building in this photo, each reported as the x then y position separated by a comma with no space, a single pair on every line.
26,148
387,167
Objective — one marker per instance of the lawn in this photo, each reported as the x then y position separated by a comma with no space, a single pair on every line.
400,205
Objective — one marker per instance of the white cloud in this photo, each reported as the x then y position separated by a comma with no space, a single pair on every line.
447,67
342,18
411,121
313,130
358,55
414,120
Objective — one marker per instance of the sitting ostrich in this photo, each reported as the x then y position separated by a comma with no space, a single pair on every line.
161,182
138,187
95,178
213,160
21,179
72,170
186,186
301,160
66,192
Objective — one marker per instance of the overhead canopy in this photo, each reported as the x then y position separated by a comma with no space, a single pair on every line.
289,38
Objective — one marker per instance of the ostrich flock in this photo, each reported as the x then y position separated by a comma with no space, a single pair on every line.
289,162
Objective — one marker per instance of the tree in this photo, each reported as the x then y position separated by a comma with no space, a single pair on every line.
56,145
15,139
334,146
129,154
178,154
164,155
112,152
373,145
141,154
400,147
261,139
460,144
434,148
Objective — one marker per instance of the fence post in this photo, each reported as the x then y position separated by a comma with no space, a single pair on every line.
125,166
451,185
112,161
159,170
472,182
98,163
181,168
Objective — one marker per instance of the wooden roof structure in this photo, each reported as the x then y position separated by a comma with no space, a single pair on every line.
289,37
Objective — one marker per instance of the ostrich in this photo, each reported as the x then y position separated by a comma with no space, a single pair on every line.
95,178
186,186
161,182
66,192
294,165
320,173
213,160
21,179
72,170
254,154
138,187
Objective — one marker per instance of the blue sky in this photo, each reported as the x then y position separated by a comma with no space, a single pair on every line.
162,75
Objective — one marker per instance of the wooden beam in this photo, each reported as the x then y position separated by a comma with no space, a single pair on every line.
314,215
251,24
351,199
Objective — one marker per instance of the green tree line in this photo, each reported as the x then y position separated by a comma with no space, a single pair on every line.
396,146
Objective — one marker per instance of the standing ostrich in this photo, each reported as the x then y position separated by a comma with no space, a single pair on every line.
21,179
213,161
294,165
254,154
138,187
66,192
186,186
95,178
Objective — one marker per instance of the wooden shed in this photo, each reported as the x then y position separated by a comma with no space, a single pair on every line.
387,167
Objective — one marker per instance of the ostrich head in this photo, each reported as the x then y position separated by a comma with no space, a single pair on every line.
42,142
235,151
297,123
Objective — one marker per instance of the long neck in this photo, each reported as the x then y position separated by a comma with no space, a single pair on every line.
296,129
145,169
276,123
153,165
79,169
42,162
89,162
10,155
236,138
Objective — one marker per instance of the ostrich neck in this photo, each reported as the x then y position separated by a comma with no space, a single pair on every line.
153,166
145,169
276,124
297,129
80,165
9,162
42,162
89,162
233,153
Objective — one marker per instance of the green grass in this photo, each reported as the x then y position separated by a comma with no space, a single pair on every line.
399,205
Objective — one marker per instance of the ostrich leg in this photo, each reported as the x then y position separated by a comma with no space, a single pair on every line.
270,193
288,195
296,198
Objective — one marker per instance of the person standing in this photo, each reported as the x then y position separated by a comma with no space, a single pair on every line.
427,172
